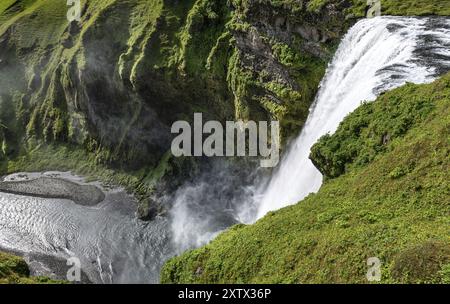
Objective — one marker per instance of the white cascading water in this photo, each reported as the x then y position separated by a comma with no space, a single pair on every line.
376,55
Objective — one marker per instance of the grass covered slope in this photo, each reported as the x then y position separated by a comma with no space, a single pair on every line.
14,270
391,200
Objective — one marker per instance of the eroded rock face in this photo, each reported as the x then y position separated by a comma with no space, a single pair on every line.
284,49
116,81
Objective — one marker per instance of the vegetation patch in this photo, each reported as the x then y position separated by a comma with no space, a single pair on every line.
366,211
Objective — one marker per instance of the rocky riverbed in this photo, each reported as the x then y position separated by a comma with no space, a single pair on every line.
51,217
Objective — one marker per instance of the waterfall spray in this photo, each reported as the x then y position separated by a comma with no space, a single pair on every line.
376,55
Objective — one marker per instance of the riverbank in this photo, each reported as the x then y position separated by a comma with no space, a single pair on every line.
110,242
53,187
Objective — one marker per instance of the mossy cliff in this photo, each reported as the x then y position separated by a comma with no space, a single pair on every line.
386,196
115,81
99,96
14,270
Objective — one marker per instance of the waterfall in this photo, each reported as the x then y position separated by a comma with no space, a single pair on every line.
376,55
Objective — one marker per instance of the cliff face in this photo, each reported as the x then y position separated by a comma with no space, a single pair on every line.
14,270
115,81
106,90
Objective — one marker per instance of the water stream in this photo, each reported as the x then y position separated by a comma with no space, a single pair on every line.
375,56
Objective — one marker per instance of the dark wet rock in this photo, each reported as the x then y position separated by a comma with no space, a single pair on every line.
46,187
148,209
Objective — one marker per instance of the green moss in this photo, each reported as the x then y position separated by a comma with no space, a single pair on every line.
391,7
445,274
357,7
415,7
79,93
209,18
14,270
162,52
369,130
317,5
328,237
423,263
